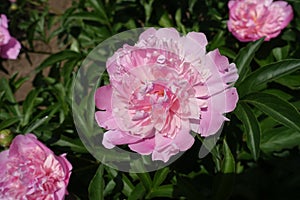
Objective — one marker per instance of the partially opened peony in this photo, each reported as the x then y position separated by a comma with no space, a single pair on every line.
31,171
9,46
250,20
162,88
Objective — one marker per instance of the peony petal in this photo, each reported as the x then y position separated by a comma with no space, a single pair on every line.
210,123
103,97
200,38
143,147
3,21
184,140
105,120
147,34
112,138
231,99
5,36
10,50
167,33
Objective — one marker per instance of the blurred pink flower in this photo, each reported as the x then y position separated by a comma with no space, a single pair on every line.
9,46
162,88
29,170
250,20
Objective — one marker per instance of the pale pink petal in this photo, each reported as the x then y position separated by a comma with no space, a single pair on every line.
103,97
143,147
167,33
147,34
3,21
211,121
231,99
199,38
112,138
105,120
184,140
4,36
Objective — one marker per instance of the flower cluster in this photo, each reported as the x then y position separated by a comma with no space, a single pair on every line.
29,170
9,46
250,20
162,88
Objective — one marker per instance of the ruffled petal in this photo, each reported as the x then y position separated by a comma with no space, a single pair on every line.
112,138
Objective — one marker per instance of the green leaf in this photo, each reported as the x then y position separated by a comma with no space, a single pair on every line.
291,81
160,176
245,57
138,192
9,122
36,124
4,86
165,20
280,110
228,164
96,186
245,114
162,191
90,16
99,7
28,106
75,144
178,21
148,10
146,180
224,181
58,57
128,186
279,138
280,53
266,74
217,41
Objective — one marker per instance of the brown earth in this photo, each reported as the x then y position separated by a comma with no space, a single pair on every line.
23,66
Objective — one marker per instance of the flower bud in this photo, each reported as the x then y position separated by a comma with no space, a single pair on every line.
6,137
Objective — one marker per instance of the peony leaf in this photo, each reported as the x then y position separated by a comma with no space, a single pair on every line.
266,74
244,58
28,106
138,192
96,186
89,16
252,128
4,86
280,138
145,180
225,181
162,191
160,176
99,7
8,122
58,57
228,164
280,110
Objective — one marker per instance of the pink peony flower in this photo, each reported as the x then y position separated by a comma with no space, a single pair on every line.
162,88
250,20
29,170
9,46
